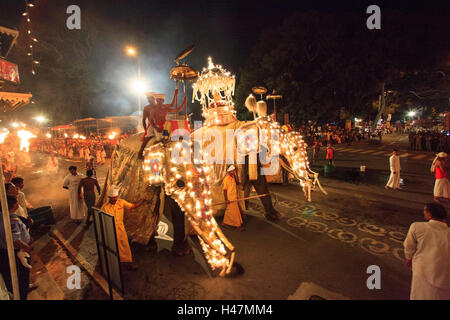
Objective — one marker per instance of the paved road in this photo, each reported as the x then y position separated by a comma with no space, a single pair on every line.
329,242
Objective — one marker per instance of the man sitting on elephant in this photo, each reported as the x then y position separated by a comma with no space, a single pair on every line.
154,117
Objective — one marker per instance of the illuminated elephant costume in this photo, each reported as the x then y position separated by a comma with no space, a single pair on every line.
187,167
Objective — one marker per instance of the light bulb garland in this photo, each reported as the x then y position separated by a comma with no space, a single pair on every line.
214,89
189,186
31,39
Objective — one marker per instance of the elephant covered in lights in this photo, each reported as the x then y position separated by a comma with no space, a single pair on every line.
177,169
258,149
159,177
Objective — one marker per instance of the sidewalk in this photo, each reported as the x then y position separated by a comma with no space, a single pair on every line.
50,262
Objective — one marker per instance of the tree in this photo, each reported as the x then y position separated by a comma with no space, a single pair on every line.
322,63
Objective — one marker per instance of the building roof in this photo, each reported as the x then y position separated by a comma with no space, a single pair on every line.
10,101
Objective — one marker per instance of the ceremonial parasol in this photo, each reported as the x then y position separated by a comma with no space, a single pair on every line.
274,97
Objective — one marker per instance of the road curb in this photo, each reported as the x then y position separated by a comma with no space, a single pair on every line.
86,266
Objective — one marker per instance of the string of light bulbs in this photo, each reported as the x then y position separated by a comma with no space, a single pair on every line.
31,38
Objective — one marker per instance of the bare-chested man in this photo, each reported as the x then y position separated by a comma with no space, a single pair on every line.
89,184
154,116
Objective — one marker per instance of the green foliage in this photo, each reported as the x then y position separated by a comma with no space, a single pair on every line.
321,63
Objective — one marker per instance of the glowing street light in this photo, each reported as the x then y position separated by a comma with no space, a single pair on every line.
139,87
40,119
131,51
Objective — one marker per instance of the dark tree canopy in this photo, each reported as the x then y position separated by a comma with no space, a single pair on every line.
322,63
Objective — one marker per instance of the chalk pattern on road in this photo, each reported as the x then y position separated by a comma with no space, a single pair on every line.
299,215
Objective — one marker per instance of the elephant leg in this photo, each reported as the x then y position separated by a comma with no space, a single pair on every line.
152,245
180,246
261,187
247,190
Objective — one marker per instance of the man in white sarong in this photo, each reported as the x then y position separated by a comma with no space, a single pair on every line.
394,164
427,250
78,208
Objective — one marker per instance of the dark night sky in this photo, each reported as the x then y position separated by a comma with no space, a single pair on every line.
225,30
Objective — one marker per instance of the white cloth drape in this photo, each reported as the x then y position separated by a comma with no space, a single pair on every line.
78,208
428,245
394,179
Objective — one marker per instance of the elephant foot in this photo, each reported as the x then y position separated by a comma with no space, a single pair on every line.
273,215
236,271
152,245
182,249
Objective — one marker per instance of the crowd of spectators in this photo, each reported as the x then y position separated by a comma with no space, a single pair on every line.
84,148
332,134
427,140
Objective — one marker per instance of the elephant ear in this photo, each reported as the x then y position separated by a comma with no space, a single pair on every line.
250,103
261,108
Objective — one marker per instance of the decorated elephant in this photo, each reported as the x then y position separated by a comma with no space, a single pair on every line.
190,167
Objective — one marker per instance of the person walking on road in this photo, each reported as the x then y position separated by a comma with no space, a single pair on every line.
427,251
394,165
115,207
411,141
419,141
316,151
441,186
233,215
330,154
88,185
77,206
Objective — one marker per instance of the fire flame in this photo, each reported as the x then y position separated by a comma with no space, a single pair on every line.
112,135
24,137
3,136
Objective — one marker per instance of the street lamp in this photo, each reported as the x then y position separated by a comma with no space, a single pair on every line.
132,52
411,114
139,87
40,119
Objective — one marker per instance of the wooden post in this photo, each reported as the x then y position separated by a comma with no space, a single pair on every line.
286,118
8,236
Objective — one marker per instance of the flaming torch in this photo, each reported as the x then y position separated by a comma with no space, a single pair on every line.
3,136
24,137
112,135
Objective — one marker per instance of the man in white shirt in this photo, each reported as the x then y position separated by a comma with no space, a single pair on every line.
427,250
78,209
394,164
20,183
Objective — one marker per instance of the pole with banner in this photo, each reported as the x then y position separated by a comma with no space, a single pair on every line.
9,239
